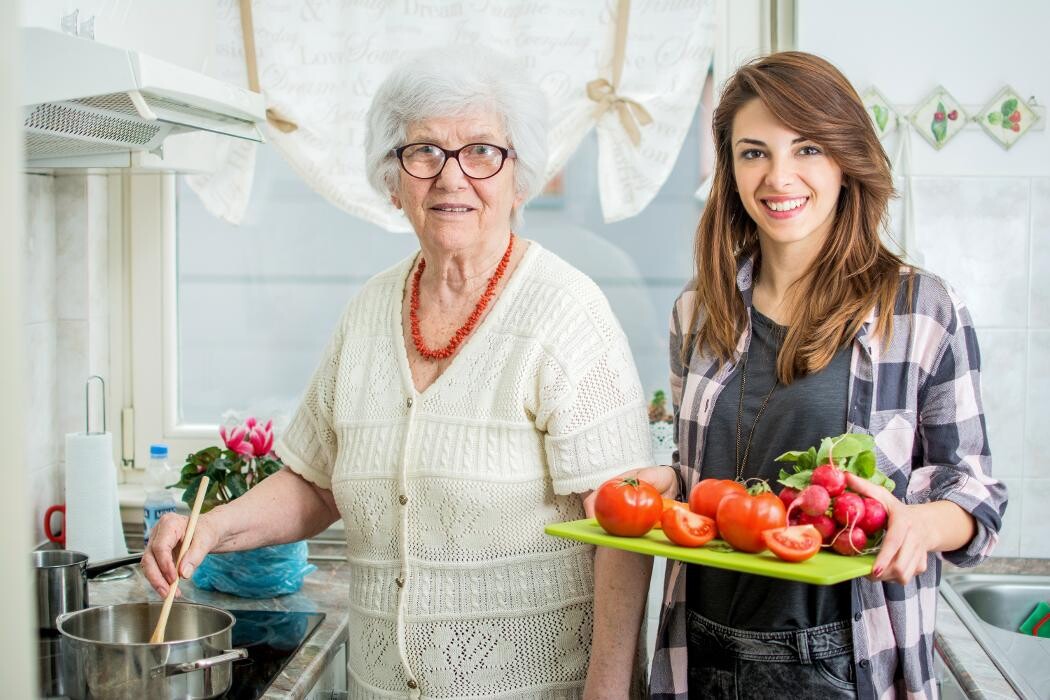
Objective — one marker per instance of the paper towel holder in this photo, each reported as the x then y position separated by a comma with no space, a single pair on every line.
87,404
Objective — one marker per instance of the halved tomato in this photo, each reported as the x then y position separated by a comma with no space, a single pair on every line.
794,543
686,528
671,503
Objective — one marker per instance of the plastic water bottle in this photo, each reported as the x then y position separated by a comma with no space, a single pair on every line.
159,500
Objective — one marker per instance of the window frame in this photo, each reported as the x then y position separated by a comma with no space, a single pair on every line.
153,339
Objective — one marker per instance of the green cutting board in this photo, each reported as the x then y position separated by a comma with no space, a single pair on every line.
824,568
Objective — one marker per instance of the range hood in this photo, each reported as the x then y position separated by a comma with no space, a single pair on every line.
88,104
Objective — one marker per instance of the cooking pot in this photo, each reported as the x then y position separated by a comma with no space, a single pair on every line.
61,581
106,652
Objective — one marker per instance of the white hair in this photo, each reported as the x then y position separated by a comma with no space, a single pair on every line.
458,81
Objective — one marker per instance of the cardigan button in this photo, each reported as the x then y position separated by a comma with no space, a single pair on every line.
412,684
400,582
409,402
402,499
858,616
863,663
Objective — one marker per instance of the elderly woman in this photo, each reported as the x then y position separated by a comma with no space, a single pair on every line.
470,395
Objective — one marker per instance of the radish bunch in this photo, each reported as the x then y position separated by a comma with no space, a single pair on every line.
816,494
846,521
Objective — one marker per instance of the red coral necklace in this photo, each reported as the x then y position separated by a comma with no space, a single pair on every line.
465,330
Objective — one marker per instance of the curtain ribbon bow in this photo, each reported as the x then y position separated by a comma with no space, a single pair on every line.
275,118
631,112
604,92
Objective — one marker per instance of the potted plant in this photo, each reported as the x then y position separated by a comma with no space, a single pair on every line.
246,459
661,428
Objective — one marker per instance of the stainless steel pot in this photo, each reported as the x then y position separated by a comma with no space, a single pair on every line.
106,652
61,581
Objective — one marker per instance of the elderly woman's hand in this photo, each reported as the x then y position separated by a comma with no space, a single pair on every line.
158,561
662,478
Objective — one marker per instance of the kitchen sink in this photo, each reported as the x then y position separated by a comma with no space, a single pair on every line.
993,606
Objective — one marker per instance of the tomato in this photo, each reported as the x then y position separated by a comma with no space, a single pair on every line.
671,503
705,496
686,528
741,518
797,543
627,507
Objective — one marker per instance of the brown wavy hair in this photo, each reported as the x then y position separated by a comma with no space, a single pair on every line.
853,272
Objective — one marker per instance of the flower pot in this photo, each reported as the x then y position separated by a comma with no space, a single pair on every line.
266,572
662,435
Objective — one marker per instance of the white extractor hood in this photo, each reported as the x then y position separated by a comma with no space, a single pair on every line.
88,104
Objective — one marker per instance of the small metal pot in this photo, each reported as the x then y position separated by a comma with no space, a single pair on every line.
106,652
62,581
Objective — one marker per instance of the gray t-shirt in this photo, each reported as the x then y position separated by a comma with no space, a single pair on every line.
797,416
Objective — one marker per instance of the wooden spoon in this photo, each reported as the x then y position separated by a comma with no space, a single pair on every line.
162,621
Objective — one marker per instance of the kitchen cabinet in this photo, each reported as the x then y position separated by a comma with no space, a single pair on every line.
332,683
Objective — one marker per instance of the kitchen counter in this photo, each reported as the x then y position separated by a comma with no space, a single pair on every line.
975,672
325,590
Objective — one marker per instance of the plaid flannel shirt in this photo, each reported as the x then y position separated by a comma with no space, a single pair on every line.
920,398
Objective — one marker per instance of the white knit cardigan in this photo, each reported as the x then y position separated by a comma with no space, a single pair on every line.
455,590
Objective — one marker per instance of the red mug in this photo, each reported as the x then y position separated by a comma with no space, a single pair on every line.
60,538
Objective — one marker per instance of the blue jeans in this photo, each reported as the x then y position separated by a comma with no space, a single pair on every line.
724,662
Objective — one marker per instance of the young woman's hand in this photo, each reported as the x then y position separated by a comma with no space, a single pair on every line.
663,479
912,532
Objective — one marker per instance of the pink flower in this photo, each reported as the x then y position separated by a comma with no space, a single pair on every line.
261,437
237,440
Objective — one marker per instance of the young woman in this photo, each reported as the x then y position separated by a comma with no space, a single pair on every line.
801,324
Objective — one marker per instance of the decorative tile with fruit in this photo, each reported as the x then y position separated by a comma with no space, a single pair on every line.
1007,117
939,117
882,114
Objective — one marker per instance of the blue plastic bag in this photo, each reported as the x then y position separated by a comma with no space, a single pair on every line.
266,572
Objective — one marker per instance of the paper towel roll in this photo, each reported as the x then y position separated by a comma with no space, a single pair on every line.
92,507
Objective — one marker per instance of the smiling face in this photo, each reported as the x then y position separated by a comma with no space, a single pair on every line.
452,211
787,183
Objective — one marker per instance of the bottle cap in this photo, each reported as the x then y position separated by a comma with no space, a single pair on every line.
158,450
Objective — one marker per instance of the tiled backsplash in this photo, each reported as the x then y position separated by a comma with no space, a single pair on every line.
66,318
990,239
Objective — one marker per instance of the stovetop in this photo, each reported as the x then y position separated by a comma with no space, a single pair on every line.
270,637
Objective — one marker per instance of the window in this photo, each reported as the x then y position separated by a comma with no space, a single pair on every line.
242,313
257,303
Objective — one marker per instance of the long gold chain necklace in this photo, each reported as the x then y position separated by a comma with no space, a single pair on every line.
741,465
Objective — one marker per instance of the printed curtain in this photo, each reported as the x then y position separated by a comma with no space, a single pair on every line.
320,62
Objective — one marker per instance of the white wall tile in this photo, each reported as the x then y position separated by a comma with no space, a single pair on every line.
974,233
1037,406
97,192
1003,371
71,247
82,229
46,490
1039,310
73,371
41,437
1034,542
38,284
1010,536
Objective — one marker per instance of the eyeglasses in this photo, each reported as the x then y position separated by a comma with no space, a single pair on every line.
478,161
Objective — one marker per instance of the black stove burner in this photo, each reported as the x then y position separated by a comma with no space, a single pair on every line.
270,637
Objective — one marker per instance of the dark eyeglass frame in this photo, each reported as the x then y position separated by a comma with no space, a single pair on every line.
453,154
